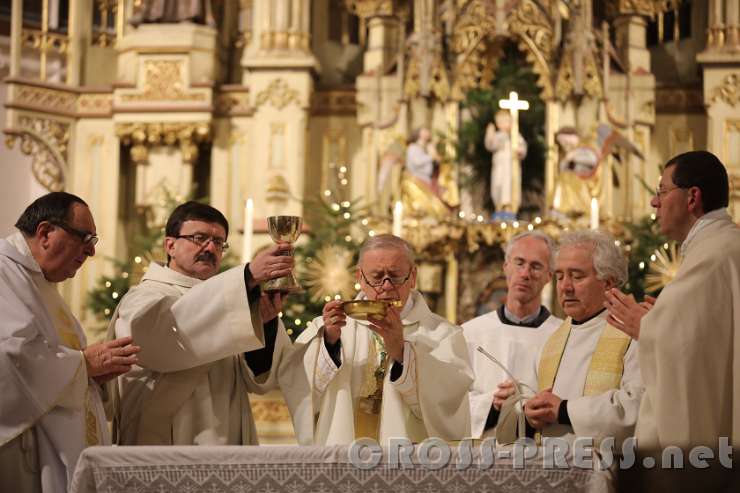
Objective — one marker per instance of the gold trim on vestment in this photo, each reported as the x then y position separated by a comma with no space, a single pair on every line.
607,361
369,405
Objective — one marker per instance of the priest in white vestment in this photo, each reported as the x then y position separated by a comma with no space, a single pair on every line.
514,333
406,375
690,339
588,375
51,404
206,340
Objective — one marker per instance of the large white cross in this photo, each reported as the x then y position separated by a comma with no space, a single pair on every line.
514,105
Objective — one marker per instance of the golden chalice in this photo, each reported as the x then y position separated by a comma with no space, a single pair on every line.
283,229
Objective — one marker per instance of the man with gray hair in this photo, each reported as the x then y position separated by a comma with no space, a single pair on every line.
513,334
588,374
404,375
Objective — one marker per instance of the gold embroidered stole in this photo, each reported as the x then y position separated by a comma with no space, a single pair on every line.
607,361
68,337
367,411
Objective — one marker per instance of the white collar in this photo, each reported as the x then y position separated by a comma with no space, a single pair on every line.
701,223
164,274
19,242
593,323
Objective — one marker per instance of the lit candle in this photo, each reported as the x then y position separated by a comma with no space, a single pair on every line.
248,224
594,213
398,219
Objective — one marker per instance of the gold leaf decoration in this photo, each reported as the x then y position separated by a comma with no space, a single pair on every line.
330,273
663,269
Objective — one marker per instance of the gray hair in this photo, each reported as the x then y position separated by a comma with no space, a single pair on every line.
389,242
533,234
608,261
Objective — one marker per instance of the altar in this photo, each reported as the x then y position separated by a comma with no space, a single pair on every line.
265,468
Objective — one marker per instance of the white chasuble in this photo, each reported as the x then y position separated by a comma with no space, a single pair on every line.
599,378
428,399
44,385
516,347
690,345
192,382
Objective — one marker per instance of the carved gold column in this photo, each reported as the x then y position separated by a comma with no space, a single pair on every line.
285,25
715,32
298,36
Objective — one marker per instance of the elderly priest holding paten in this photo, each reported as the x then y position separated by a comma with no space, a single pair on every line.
404,374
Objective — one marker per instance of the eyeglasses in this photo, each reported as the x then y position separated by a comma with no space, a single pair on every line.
86,237
202,240
661,192
395,281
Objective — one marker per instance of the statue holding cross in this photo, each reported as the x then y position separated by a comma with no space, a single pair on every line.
508,148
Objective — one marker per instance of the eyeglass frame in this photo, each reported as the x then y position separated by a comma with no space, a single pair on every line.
224,244
659,194
85,237
389,278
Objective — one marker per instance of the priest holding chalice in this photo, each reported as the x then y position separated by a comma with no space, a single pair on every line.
384,366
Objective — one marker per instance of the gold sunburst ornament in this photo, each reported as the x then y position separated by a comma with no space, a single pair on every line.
664,264
330,273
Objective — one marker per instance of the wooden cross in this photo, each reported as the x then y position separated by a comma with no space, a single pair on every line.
514,105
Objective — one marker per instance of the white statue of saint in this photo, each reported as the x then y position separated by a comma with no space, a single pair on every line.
498,141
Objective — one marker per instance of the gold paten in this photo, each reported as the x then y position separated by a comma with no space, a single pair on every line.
364,309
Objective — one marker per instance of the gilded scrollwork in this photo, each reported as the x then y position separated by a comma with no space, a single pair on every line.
47,98
728,91
89,104
438,83
46,141
473,44
477,52
535,33
648,8
48,42
564,86
373,8
142,136
278,93
163,80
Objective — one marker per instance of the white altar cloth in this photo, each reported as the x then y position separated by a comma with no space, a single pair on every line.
293,469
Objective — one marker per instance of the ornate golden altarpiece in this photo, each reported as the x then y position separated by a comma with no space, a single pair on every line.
230,102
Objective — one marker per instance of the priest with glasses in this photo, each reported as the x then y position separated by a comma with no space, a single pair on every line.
405,375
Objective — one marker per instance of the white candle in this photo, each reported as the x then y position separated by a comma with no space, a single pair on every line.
248,224
594,213
398,219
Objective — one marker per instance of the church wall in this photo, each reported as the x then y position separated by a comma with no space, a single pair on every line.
18,187
676,133
94,175
237,174
335,141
